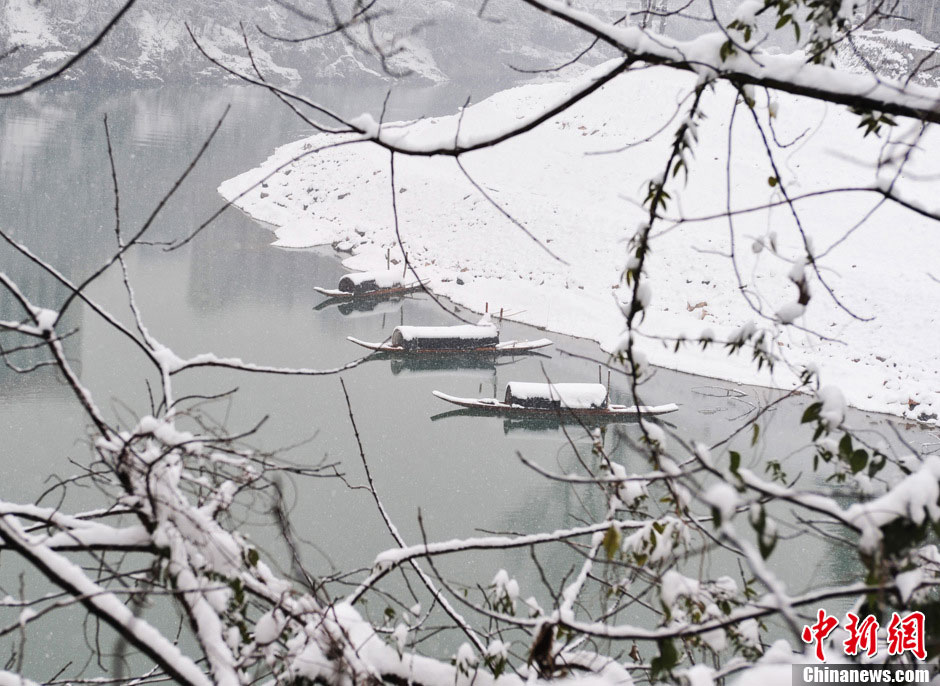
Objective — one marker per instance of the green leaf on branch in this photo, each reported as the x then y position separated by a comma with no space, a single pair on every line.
611,542
766,546
811,414
667,659
727,49
858,461
845,447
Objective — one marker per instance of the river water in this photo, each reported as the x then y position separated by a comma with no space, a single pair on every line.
231,293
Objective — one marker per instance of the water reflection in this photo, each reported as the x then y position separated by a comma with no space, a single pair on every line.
378,304
455,361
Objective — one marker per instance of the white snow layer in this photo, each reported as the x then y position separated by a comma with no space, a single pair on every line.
578,396
580,207
469,332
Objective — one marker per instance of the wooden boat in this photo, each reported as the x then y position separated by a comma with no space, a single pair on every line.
370,285
465,338
581,399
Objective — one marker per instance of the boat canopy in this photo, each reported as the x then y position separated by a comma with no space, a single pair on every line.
575,396
463,337
366,282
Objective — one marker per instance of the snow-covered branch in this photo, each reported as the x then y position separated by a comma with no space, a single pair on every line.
786,73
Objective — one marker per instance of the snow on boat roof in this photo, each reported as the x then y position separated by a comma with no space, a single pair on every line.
570,395
382,279
465,331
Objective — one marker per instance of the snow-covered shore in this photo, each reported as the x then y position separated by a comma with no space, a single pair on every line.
583,206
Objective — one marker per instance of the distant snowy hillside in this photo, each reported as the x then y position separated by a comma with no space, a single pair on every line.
432,42
151,44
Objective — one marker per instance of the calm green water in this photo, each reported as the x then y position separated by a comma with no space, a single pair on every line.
231,293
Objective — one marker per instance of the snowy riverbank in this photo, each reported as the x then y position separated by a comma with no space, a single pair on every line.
583,207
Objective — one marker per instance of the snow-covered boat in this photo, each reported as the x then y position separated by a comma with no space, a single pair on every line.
464,338
524,398
370,285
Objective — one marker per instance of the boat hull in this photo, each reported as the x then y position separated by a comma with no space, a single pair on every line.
506,348
498,407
